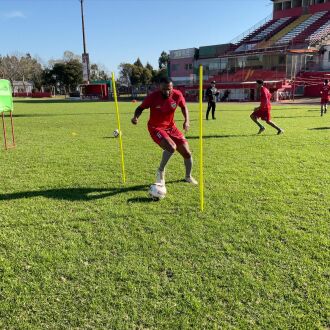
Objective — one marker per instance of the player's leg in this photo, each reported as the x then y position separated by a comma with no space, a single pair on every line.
182,147
169,147
272,124
162,138
213,110
322,109
185,152
325,107
208,110
254,118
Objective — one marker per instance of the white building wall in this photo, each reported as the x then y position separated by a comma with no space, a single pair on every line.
325,59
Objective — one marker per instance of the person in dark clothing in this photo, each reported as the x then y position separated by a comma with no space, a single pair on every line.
225,95
211,96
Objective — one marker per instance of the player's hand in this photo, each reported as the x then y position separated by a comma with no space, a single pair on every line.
186,125
134,120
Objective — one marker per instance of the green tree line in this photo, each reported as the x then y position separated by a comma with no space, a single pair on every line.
66,73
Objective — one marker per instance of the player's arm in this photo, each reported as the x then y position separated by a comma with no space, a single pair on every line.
185,112
137,114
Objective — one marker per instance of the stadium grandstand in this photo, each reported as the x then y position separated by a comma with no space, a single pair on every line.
289,50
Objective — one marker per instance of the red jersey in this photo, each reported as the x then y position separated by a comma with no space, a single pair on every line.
265,97
325,92
161,109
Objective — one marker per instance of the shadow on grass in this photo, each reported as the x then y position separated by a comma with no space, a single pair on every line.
318,128
73,194
58,101
58,115
287,117
79,194
140,200
221,136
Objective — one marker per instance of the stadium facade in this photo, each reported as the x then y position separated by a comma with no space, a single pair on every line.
290,50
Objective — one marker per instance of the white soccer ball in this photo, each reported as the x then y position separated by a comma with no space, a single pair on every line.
157,191
116,132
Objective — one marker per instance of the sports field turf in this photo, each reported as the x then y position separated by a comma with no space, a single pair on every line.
80,250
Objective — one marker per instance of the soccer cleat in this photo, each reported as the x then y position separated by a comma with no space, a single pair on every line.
280,131
261,130
191,180
160,177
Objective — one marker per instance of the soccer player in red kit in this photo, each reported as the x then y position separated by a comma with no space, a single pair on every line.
324,96
162,128
263,111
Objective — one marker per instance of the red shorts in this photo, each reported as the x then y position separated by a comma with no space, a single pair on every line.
324,101
173,133
264,114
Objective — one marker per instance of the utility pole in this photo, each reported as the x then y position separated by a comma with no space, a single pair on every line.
85,56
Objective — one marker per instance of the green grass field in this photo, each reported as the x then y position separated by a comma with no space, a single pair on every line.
81,250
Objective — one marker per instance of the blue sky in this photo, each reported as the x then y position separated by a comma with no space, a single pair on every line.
122,30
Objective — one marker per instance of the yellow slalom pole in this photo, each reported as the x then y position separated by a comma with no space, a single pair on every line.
201,174
118,121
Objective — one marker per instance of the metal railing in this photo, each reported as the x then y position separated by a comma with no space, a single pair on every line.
256,26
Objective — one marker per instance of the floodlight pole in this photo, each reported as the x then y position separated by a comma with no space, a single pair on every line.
85,55
83,24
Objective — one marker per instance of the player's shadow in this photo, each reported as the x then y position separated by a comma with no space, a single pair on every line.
58,101
218,136
140,200
149,199
73,194
288,117
80,194
318,128
31,115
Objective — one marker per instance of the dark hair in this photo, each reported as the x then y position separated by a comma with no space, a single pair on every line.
260,82
326,81
165,80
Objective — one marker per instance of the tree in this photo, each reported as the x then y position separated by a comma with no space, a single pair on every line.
138,63
65,76
9,67
69,56
159,74
125,73
22,68
137,75
146,76
73,75
98,72
149,67
163,60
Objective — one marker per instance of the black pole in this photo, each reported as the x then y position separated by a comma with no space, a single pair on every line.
83,25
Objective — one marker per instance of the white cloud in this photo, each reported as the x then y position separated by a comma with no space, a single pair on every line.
14,14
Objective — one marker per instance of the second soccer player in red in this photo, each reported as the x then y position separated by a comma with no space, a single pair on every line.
263,111
162,128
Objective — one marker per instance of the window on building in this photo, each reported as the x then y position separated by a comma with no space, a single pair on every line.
175,67
287,5
277,6
214,66
296,3
188,66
